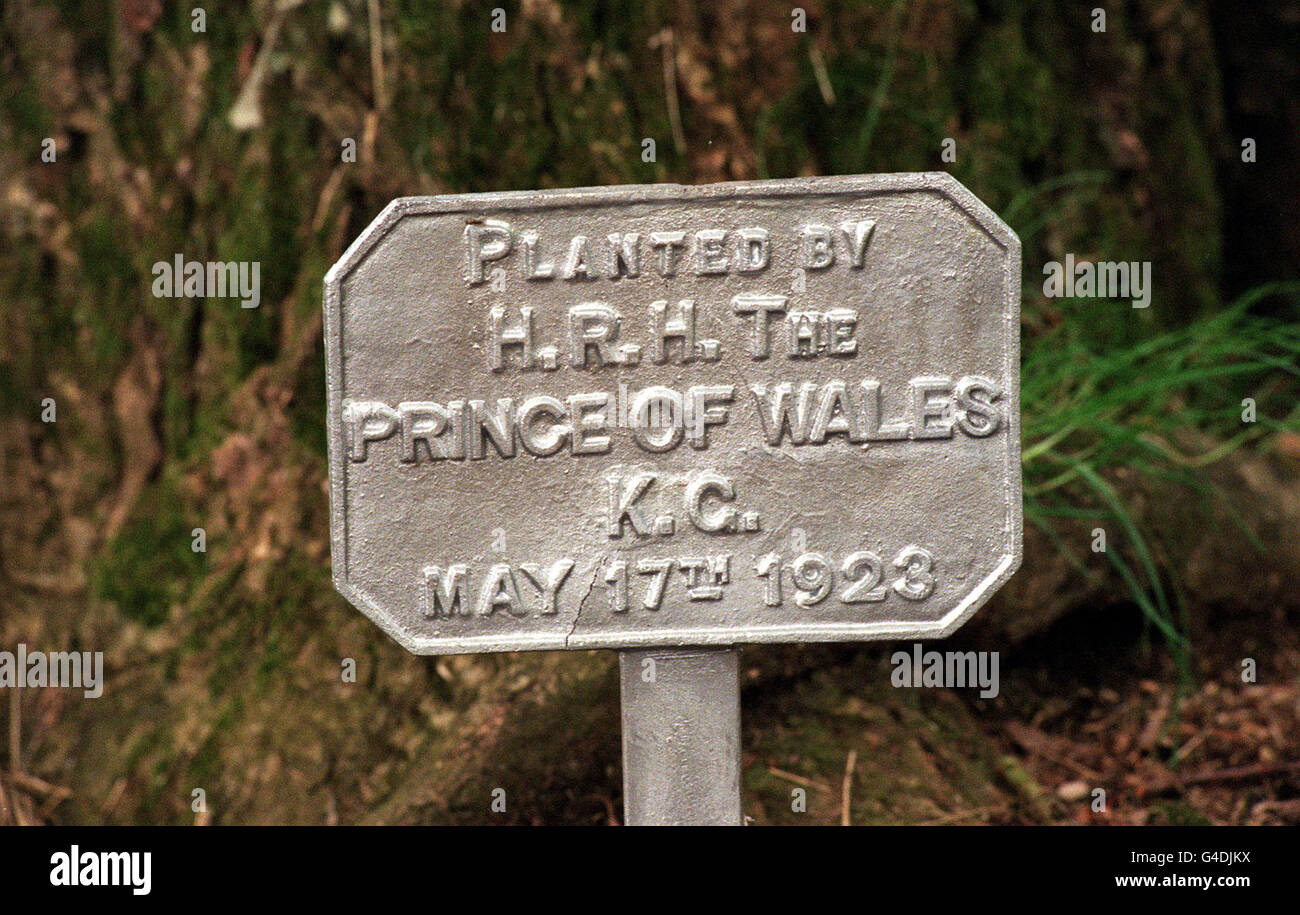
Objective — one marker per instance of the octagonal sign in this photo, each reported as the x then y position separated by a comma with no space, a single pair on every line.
773,411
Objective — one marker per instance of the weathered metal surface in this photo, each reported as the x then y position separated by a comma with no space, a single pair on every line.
681,737
652,416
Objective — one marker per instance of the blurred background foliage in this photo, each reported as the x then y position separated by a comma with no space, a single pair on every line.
174,414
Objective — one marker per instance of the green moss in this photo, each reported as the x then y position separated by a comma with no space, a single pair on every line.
1178,813
150,565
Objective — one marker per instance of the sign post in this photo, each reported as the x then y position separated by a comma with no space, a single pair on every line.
681,737
671,421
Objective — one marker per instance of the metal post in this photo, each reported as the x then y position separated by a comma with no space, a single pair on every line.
681,737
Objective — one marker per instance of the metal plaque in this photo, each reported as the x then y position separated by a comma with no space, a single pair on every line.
772,411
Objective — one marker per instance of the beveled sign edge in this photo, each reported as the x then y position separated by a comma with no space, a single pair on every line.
940,182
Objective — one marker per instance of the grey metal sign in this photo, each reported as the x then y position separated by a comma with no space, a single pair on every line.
639,417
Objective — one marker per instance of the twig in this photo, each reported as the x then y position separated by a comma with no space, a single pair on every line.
71,582
54,794
798,779
1029,791
369,135
114,797
611,815
823,78
1155,724
1220,776
246,113
379,82
1035,743
39,786
668,48
959,814
326,198
847,788
18,805
15,733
